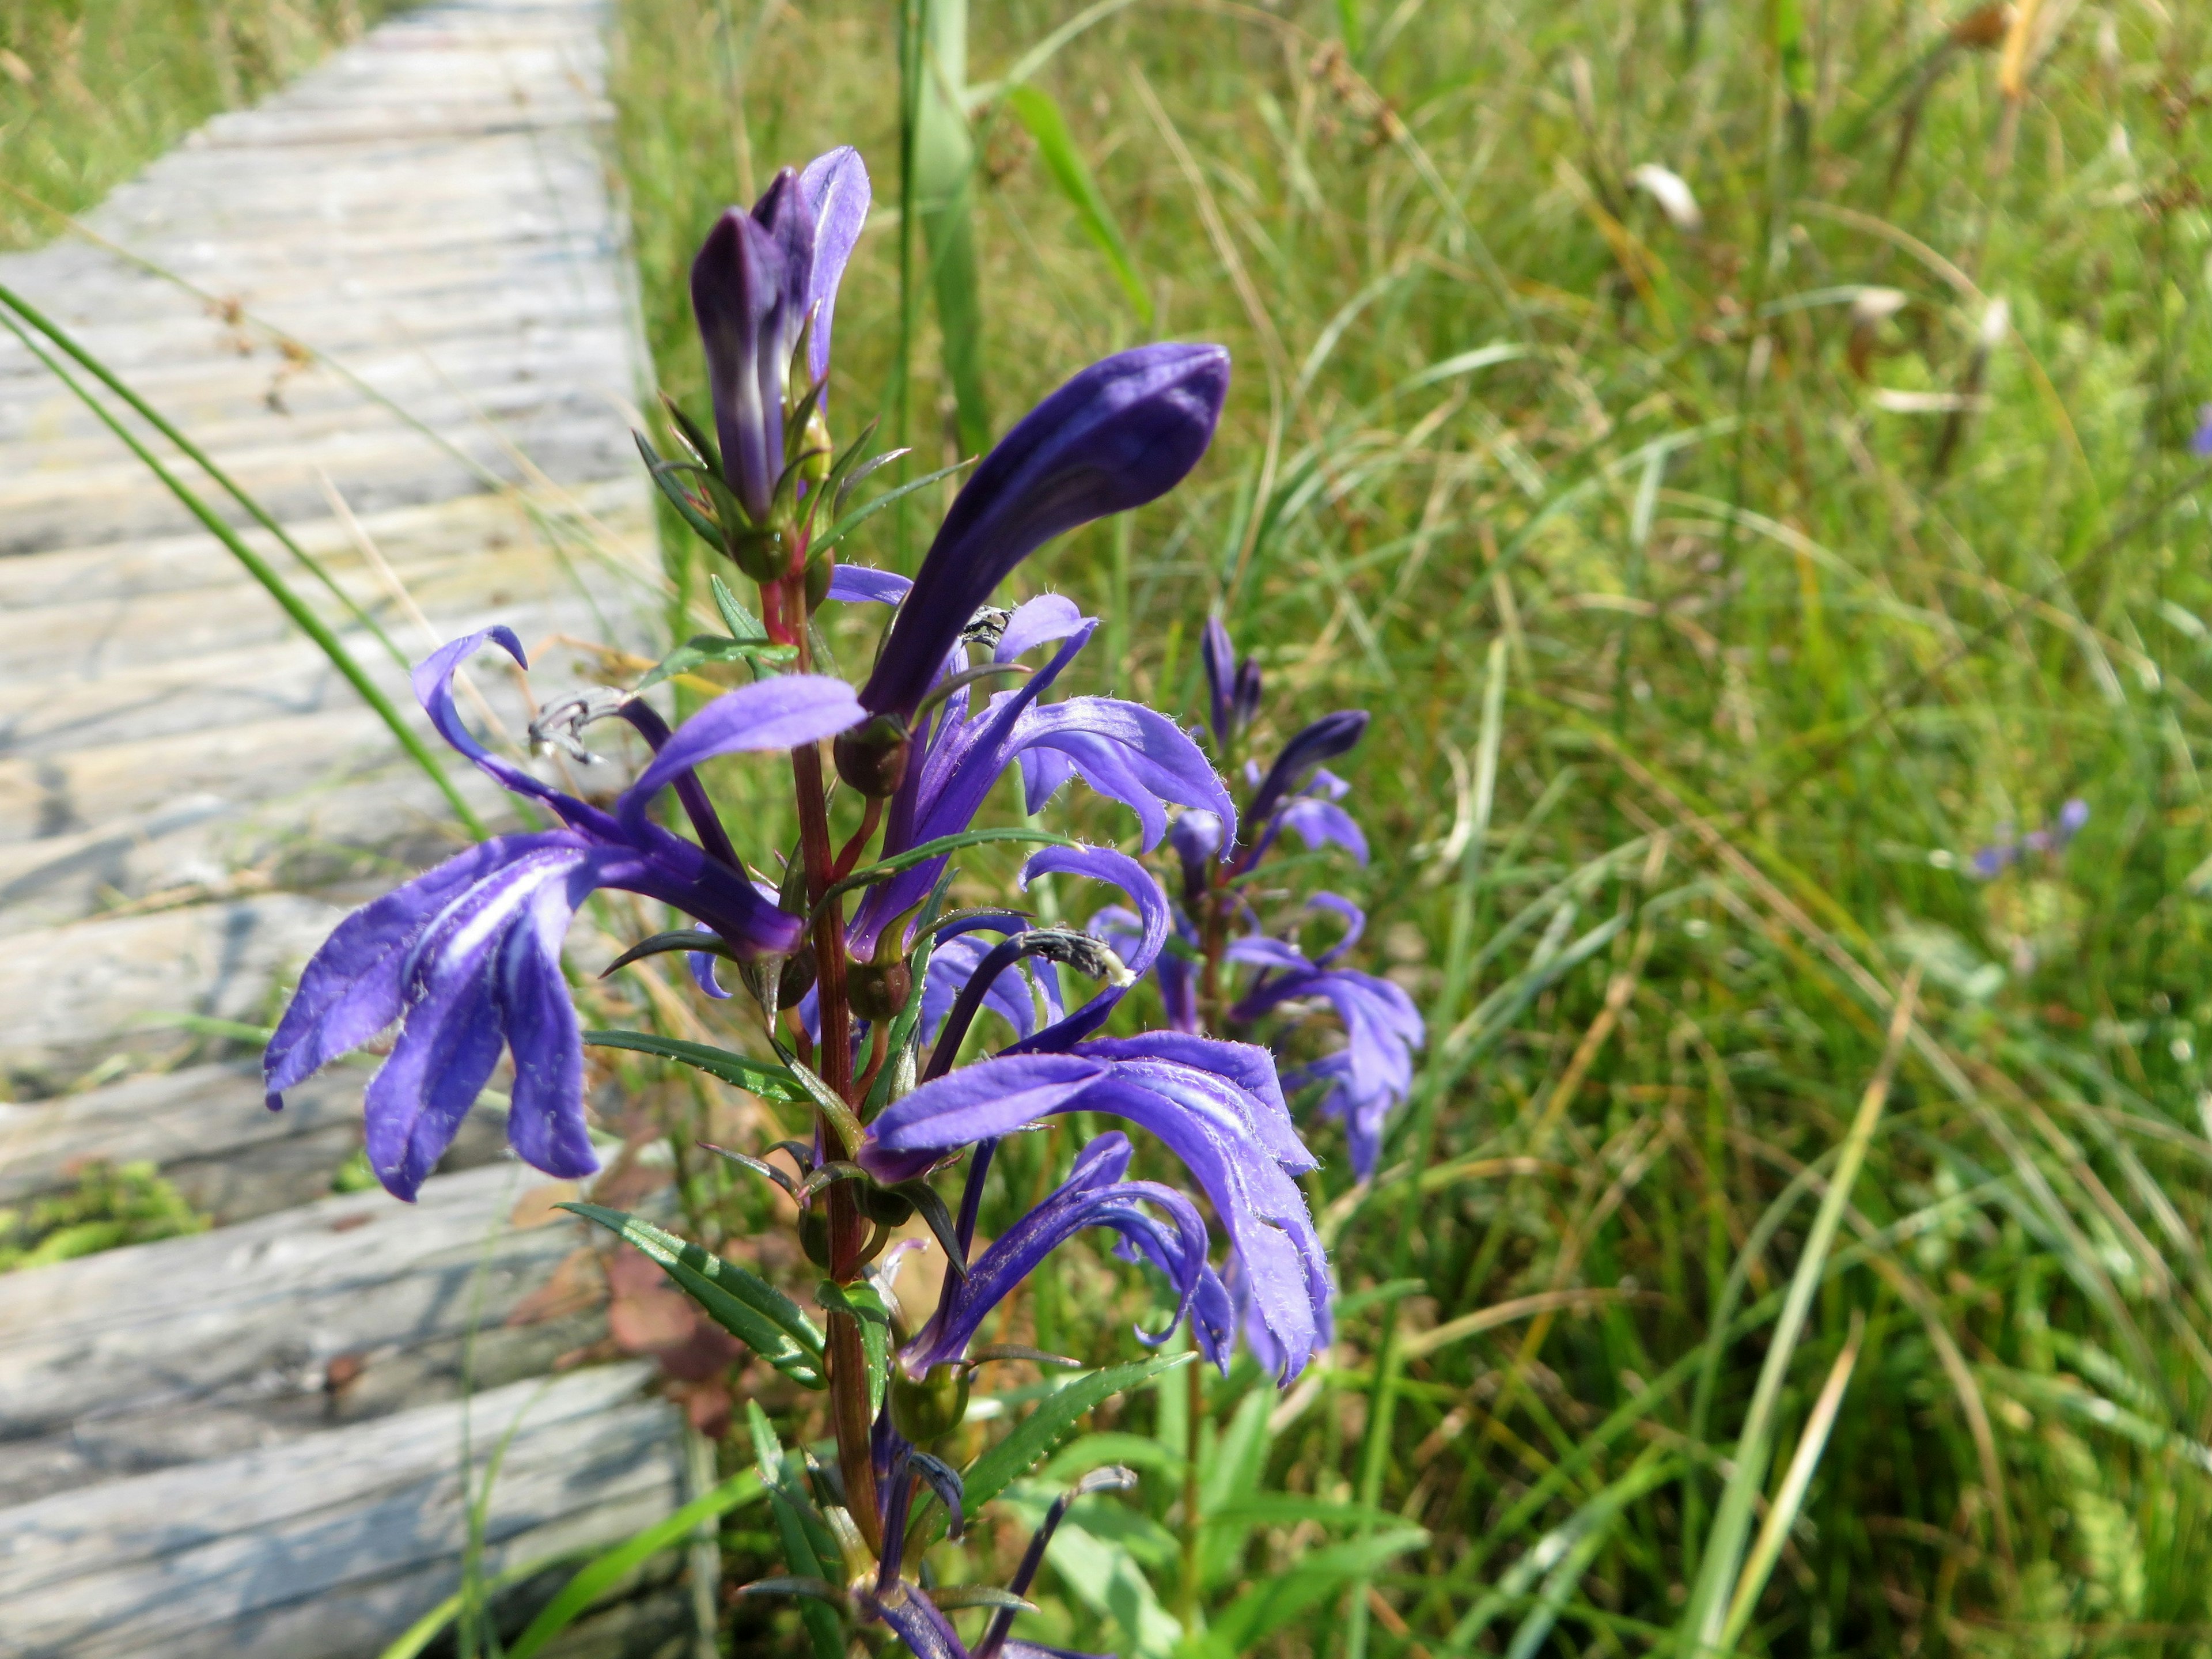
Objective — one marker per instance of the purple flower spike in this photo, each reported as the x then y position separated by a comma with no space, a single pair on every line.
2200,441
466,958
1094,1194
1123,432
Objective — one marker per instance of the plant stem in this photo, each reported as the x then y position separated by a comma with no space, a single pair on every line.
1193,1413
848,1367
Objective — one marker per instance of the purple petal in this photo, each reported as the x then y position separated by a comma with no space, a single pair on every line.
1320,824
433,679
916,1622
1103,863
1094,1195
1122,433
1258,951
836,186
1325,739
1219,658
351,988
856,584
1248,1067
450,1035
1208,1121
1354,919
1137,756
737,289
949,966
780,713
1042,621
545,1119
990,1098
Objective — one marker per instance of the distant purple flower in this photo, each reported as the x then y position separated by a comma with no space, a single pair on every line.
1993,861
1123,432
2200,441
754,283
467,957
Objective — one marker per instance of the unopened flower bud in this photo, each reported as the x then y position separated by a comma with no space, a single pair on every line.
872,758
878,990
796,978
930,1407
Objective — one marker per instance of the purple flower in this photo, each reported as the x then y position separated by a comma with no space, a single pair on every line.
928,1634
755,283
1217,1106
1232,687
1989,862
1123,432
1094,1195
467,957
2200,441
1122,750
1373,1072
1325,739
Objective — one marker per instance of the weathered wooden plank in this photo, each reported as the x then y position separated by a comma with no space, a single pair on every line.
255,1314
325,1549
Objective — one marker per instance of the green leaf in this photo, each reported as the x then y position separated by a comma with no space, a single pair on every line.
603,1573
1036,111
1321,1574
748,1307
1101,1552
1041,1429
800,1552
769,1082
741,623
1097,1451
865,1304
868,509
707,648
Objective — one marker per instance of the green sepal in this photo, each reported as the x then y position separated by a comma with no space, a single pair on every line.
852,520
664,474
745,1305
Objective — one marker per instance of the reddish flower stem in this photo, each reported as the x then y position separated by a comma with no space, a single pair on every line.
848,1373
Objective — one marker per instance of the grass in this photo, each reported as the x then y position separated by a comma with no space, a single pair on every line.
1824,543
91,90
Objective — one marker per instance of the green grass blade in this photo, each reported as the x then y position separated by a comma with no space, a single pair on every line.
943,180
582,1593
259,568
1038,111
200,458
1706,1611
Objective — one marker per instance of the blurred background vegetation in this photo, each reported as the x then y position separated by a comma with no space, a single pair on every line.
91,90
1828,524
1838,527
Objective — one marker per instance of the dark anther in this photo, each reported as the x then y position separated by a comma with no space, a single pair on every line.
872,757
1087,955
557,725
986,626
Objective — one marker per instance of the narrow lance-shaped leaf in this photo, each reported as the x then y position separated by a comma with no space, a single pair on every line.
748,1308
769,1082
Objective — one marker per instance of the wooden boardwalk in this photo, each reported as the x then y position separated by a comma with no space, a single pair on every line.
246,1442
